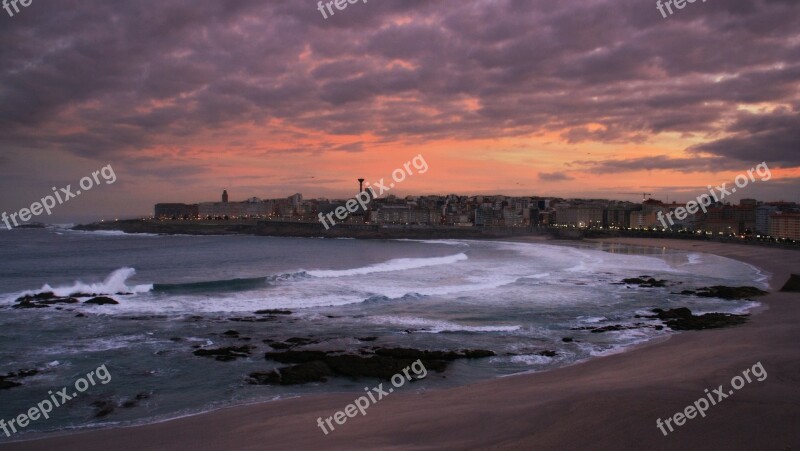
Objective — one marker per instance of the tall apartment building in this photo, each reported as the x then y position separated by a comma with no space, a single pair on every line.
785,225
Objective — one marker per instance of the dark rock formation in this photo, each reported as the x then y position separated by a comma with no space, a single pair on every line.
723,292
645,282
101,300
225,354
793,284
5,383
273,312
683,319
42,300
103,408
295,356
382,363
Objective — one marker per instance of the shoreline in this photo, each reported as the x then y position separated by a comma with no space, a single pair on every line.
523,402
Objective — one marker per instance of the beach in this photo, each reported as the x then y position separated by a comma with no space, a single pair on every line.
603,403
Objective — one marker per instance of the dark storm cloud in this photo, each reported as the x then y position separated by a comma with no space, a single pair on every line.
94,77
657,162
774,138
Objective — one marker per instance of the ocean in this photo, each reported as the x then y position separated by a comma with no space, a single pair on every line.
517,299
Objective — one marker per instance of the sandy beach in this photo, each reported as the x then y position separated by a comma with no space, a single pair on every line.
605,403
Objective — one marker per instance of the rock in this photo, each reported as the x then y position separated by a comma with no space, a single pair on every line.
28,304
478,353
793,284
548,353
677,313
225,354
683,319
265,378
250,319
376,366
133,402
293,375
299,341
645,282
5,384
382,363
367,338
103,408
80,315
612,328
101,300
567,339
273,312
278,345
295,356
730,293
231,333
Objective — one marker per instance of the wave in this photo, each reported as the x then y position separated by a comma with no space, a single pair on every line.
239,284
439,326
376,299
114,283
107,233
398,264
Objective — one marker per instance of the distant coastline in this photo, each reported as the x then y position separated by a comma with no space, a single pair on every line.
314,229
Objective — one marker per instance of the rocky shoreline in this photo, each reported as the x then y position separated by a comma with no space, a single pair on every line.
305,360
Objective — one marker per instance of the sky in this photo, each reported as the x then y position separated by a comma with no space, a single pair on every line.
568,98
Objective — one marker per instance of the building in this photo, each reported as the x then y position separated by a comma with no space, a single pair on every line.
253,207
763,213
785,225
730,219
176,211
404,214
617,216
580,216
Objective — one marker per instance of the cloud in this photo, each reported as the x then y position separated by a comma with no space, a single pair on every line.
656,163
204,85
772,137
96,78
554,177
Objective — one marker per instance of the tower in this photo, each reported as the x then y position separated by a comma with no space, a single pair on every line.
360,185
224,196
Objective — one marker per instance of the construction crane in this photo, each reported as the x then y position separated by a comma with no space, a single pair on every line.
644,195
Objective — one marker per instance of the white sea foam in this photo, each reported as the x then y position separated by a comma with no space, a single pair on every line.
114,283
398,264
531,359
437,326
